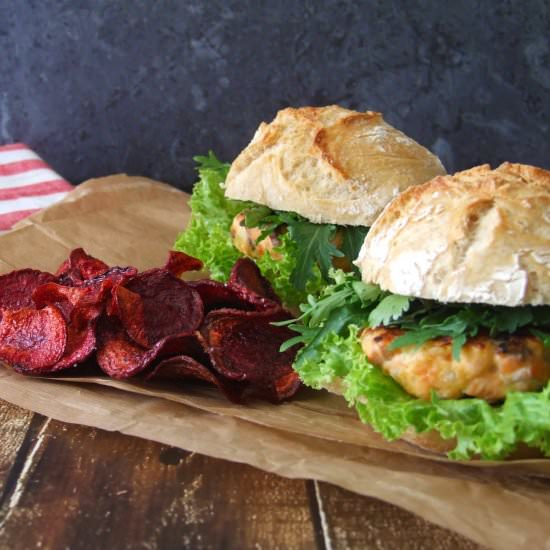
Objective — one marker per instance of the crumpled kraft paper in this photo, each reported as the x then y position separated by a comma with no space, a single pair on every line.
128,220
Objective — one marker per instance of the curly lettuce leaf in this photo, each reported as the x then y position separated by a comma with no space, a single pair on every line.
491,432
207,236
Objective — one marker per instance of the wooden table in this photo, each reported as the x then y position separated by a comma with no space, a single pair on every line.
69,486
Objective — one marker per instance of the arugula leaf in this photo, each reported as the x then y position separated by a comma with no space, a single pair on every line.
352,241
458,326
423,320
389,309
509,319
431,319
279,270
345,290
255,215
338,322
544,336
315,242
367,293
314,248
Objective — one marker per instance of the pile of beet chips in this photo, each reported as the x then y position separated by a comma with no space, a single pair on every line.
151,324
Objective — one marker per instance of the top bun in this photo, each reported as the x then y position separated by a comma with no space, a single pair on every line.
479,236
329,164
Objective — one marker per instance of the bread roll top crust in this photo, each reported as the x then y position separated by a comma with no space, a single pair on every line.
329,164
478,236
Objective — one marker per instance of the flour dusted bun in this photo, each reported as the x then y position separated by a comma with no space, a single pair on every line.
329,164
478,236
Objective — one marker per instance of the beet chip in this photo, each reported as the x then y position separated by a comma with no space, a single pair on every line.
183,367
69,298
81,343
244,346
113,277
80,267
81,306
217,295
87,300
119,357
247,278
179,263
32,340
154,305
16,288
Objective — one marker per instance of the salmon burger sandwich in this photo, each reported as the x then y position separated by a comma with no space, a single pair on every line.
301,196
445,340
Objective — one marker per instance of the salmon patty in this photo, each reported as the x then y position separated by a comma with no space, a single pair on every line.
488,368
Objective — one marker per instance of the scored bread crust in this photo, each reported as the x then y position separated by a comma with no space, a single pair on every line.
478,236
329,164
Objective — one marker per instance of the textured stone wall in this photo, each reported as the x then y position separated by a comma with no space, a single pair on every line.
141,86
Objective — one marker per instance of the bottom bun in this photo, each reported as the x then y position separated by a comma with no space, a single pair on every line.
432,441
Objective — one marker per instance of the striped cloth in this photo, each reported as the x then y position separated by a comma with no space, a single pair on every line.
27,184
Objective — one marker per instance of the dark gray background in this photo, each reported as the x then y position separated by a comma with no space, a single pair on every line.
103,86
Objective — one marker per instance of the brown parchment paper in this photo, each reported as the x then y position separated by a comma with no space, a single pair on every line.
128,220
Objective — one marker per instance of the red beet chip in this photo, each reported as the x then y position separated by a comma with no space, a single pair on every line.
217,295
69,298
80,267
113,276
244,346
32,340
94,292
154,305
184,367
16,288
81,343
120,357
117,355
81,306
247,280
179,263
246,276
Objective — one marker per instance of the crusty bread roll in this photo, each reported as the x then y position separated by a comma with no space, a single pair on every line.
478,236
329,164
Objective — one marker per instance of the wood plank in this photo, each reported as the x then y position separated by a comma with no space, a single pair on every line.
19,430
14,427
352,521
94,489
72,486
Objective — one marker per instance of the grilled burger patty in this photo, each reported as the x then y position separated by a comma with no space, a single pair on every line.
488,368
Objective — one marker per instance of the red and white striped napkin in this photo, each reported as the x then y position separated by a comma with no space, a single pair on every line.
27,184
